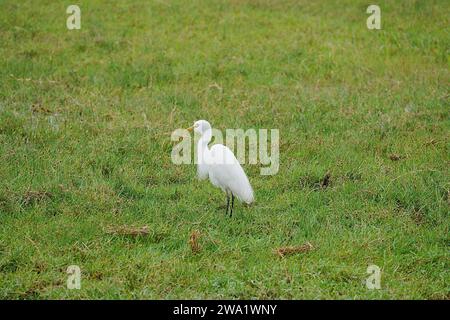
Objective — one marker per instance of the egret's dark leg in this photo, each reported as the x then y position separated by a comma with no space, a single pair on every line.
232,204
228,203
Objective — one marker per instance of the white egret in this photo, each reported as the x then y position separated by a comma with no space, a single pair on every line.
221,166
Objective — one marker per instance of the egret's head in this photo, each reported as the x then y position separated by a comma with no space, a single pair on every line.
200,126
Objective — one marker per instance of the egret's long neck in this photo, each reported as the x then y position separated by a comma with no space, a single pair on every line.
203,150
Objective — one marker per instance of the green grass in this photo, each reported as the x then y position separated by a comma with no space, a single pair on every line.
85,123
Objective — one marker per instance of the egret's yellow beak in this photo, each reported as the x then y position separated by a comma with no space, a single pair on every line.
190,129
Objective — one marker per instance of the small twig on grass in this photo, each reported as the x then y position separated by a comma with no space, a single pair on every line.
128,231
283,251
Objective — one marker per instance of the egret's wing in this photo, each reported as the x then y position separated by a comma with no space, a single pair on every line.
228,173
202,171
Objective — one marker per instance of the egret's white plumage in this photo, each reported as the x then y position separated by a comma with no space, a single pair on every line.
221,166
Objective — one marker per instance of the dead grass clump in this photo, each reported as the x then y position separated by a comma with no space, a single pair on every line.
284,251
193,241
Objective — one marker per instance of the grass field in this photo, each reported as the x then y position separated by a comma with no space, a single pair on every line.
85,123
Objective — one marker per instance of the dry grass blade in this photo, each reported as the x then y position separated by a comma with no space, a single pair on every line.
193,241
128,231
283,251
